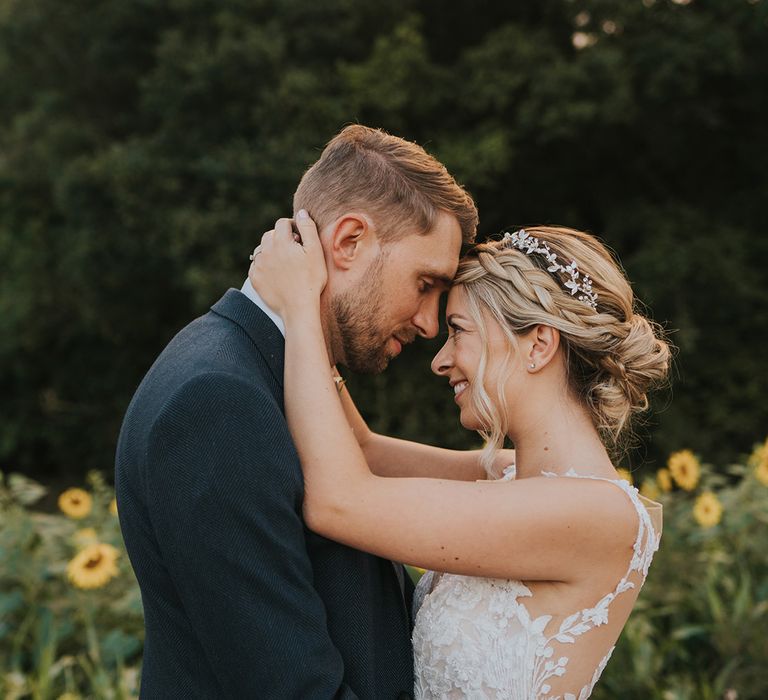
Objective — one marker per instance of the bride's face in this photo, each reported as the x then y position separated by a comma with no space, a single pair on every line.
459,358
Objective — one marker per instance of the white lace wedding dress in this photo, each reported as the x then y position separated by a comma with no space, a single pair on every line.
475,638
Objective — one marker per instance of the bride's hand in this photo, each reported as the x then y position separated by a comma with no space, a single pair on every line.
504,459
289,275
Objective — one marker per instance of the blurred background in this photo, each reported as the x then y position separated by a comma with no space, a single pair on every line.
145,146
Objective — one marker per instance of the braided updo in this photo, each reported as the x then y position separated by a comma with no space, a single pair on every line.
614,355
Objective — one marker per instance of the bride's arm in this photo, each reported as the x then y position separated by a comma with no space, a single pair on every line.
388,456
534,529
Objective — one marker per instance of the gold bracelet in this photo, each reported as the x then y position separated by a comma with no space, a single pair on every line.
340,382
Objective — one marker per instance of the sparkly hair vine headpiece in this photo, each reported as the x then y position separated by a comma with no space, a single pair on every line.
578,283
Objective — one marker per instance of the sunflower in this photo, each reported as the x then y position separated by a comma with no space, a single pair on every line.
664,480
113,506
93,566
759,461
707,510
75,503
625,474
685,469
761,472
649,489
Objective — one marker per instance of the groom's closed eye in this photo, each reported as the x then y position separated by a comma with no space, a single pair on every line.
436,278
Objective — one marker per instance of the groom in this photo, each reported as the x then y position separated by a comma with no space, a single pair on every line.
240,599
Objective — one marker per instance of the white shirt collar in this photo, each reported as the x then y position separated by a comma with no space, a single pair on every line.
253,295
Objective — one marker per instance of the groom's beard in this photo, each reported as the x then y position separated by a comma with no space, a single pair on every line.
357,312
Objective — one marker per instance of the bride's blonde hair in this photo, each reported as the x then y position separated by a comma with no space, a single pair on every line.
614,355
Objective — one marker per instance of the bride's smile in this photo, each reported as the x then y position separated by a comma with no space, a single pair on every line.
458,388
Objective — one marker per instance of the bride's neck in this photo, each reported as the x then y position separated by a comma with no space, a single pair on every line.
557,438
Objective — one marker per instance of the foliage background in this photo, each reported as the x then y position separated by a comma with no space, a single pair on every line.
145,146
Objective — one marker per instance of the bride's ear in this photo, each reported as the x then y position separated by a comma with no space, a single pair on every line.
350,235
543,343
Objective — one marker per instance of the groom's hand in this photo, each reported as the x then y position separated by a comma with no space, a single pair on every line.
503,459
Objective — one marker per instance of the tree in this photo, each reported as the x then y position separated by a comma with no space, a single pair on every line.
144,147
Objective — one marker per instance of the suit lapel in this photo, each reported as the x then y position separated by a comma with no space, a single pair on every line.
269,341
239,309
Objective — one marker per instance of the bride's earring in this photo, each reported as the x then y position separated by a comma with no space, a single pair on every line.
532,365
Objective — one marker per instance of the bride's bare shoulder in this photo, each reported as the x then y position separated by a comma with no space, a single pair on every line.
599,512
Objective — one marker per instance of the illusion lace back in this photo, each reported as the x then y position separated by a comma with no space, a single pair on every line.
475,637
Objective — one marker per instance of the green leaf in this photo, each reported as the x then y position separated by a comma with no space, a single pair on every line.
10,602
25,490
117,646
690,631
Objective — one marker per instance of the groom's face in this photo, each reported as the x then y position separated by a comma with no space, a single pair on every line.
397,297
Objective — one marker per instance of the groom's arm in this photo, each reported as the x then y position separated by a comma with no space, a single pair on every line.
394,457
225,493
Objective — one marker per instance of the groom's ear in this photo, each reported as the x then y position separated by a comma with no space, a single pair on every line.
351,238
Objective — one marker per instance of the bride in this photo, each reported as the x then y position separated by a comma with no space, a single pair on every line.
533,572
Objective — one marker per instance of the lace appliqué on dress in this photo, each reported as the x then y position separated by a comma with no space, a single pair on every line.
474,637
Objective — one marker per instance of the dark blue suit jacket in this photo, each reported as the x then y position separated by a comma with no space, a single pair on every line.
240,599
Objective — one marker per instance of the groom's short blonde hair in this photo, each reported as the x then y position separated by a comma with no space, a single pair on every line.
395,181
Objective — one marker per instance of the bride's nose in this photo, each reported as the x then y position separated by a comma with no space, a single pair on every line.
443,361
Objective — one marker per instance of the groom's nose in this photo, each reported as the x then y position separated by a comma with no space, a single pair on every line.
426,320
